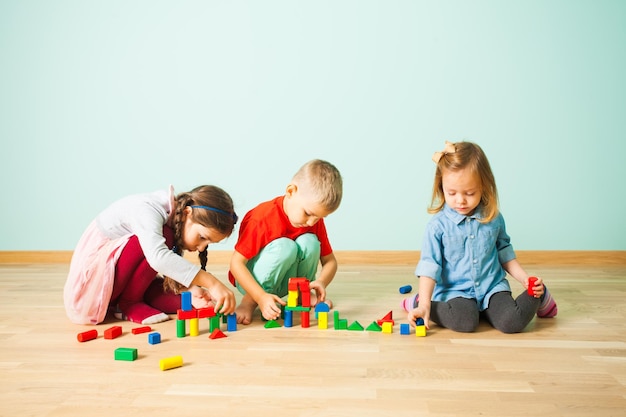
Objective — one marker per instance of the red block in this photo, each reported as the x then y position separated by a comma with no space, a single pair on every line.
216,334
113,332
531,284
186,315
139,330
206,312
88,335
305,319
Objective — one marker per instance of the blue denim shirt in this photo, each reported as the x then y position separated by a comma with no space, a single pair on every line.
465,257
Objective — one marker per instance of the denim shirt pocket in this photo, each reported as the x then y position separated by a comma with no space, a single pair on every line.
453,248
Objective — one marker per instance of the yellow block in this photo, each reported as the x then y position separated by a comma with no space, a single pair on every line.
420,331
322,320
387,327
170,363
292,299
194,327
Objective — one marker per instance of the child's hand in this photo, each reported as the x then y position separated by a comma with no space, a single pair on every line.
418,312
222,297
538,288
320,290
268,307
200,298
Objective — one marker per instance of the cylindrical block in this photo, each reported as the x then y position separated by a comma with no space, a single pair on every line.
170,363
194,327
405,289
288,318
88,335
181,330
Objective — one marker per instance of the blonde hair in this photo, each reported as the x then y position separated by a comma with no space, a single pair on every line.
222,218
325,182
467,155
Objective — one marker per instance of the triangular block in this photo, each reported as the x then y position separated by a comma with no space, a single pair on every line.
271,324
355,326
374,327
217,334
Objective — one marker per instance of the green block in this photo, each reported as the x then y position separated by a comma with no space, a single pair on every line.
125,354
374,327
298,308
271,324
181,330
341,324
355,326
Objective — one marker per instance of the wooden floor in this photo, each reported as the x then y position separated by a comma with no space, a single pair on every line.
573,365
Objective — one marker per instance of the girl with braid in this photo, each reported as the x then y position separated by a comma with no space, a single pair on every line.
129,260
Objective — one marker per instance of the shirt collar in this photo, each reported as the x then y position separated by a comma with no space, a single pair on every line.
459,218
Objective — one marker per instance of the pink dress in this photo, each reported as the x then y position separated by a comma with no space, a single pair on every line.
89,284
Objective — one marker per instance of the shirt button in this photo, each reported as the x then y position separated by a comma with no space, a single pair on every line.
471,236
475,261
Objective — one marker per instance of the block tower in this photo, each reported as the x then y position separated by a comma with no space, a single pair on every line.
298,299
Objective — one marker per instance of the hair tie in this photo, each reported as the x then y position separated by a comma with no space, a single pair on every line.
233,215
450,148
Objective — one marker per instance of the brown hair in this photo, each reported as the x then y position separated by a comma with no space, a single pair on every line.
467,155
222,218
325,182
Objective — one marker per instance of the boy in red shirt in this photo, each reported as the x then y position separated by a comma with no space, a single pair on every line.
284,238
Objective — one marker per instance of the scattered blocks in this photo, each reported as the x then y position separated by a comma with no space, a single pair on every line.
355,326
387,327
113,332
154,338
125,354
171,363
405,289
374,327
404,328
139,330
87,336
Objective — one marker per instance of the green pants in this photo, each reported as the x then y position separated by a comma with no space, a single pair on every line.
282,259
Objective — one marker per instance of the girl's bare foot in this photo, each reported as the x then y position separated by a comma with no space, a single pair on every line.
245,310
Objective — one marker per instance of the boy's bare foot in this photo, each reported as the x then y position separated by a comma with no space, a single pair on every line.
245,310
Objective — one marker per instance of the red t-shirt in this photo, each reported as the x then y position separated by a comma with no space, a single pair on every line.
268,222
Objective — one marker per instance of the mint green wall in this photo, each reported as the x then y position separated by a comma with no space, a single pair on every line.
103,99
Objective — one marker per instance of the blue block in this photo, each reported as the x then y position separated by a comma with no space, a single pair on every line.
404,328
154,338
185,301
231,322
405,289
419,321
288,318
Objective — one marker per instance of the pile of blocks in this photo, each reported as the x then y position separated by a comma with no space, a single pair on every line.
192,315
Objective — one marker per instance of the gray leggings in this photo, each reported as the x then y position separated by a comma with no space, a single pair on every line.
504,313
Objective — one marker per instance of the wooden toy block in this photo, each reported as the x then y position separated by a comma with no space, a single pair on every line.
206,312
305,318
292,298
531,283
420,328
181,328
297,308
125,354
374,327
87,336
139,330
341,324
288,315
231,322
214,323
185,301
154,338
113,332
322,320
387,327
171,363
356,326
405,289
271,324
194,327
305,297
321,308
404,328
217,334
388,318
186,315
